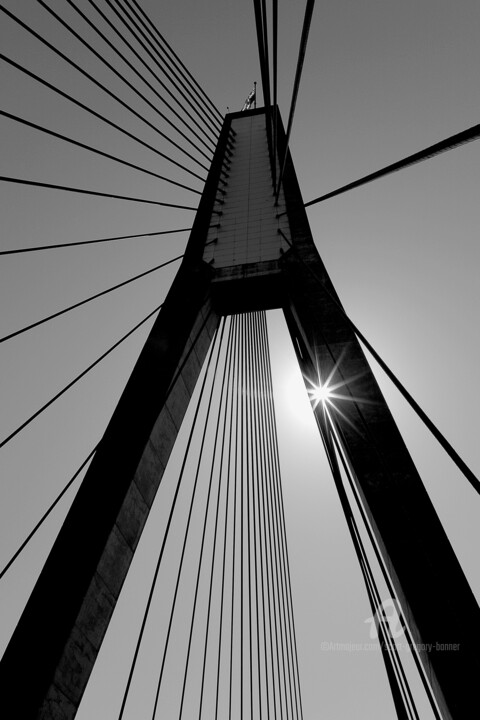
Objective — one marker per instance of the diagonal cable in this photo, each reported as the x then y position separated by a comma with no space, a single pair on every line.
148,41
438,148
272,562
383,567
233,375
221,420
56,501
89,242
47,513
296,84
93,112
275,85
265,465
170,516
77,378
122,77
161,83
398,693
87,300
95,193
185,70
202,545
84,146
278,509
261,30
100,85
288,585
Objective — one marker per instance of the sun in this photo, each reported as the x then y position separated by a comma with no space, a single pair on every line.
319,394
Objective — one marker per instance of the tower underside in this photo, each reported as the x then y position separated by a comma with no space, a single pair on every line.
245,253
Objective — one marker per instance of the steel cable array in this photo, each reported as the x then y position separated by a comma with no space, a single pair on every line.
99,84
174,63
97,151
132,87
206,132
96,114
91,454
226,523
209,132
250,547
77,378
84,146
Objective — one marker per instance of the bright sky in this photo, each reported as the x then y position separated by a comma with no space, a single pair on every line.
380,81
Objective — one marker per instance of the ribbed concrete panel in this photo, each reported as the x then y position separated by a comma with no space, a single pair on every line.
247,230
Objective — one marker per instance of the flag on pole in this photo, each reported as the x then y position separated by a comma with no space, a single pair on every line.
250,101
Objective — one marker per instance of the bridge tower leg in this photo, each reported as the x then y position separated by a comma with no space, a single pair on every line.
245,253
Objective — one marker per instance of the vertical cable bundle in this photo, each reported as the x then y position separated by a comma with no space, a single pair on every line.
227,646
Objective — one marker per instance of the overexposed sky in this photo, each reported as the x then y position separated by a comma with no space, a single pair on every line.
381,80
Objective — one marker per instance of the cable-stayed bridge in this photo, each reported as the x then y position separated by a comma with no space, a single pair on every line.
65,213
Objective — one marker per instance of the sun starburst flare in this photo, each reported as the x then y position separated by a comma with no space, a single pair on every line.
325,393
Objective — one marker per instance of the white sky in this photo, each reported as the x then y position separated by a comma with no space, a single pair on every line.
381,80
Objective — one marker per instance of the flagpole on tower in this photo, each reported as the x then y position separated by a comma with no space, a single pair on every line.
251,100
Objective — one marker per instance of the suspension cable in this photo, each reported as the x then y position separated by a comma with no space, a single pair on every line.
103,87
268,101
275,85
388,648
95,193
387,639
93,112
273,544
283,526
256,479
462,466
398,694
225,383
156,53
167,394
261,35
264,534
202,546
277,503
169,522
77,378
47,512
87,300
242,501
134,69
179,572
234,355
381,563
438,148
248,481
236,485
90,242
84,146
283,534
298,74
157,78
185,70
261,29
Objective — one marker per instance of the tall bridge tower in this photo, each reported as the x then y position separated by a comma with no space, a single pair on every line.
248,251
